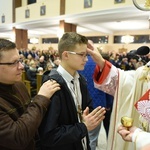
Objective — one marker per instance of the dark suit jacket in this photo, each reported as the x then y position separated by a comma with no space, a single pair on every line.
60,129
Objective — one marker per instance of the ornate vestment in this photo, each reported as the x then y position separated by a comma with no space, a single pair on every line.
127,88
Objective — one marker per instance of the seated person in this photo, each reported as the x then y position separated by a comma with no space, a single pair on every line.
40,70
42,63
49,67
31,74
26,64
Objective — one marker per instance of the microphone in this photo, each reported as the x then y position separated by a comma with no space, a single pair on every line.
143,50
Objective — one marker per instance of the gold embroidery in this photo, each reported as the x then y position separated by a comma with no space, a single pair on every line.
145,74
144,125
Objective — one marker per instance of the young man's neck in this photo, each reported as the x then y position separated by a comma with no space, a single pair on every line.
68,69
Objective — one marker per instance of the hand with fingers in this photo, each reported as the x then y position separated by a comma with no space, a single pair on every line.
95,54
126,133
49,88
93,119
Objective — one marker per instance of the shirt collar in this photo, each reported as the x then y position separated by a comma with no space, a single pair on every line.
66,74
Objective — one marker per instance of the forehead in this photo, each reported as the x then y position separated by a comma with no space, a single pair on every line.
9,54
80,47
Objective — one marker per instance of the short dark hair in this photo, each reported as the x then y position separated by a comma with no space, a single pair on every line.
69,40
6,45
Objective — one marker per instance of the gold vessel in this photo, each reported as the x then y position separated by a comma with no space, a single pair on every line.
127,121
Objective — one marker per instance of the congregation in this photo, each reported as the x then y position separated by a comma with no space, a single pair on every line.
38,62
48,59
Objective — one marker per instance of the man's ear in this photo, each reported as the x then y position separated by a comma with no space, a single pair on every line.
65,55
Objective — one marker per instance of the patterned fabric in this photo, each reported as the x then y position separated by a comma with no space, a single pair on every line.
143,106
110,82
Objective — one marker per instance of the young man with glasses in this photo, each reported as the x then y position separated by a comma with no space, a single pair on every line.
19,117
71,109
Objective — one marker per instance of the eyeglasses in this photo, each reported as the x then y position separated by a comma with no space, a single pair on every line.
83,55
13,63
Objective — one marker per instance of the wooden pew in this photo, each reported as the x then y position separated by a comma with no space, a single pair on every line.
38,81
28,84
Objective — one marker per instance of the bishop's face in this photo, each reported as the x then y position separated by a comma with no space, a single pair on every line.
11,72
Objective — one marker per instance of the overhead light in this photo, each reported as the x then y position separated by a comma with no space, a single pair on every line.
34,40
127,39
146,6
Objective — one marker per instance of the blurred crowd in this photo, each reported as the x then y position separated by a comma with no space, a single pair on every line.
42,61
127,61
37,61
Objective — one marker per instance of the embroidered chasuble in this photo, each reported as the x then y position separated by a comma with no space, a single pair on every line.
127,88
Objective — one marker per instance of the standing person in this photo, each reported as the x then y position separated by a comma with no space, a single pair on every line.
69,130
19,117
127,87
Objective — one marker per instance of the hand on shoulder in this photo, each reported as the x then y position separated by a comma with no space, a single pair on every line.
49,88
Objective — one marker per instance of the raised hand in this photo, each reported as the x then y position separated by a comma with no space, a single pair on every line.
93,119
95,54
